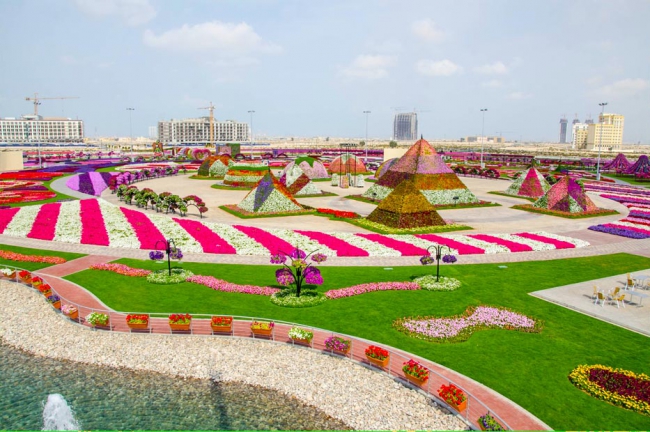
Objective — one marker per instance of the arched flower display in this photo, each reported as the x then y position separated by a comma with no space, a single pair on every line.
297,269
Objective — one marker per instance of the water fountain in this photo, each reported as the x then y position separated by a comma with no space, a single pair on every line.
57,415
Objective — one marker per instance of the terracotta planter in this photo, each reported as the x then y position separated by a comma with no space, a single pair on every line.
179,327
144,326
10,276
36,284
379,363
27,280
57,305
302,341
221,329
461,407
47,293
415,380
73,314
262,332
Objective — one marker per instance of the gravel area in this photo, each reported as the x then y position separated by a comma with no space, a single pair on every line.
344,390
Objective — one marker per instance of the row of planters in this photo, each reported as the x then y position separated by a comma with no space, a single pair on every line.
163,202
33,281
129,177
477,171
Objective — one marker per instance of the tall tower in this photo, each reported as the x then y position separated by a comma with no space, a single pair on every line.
563,126
405,126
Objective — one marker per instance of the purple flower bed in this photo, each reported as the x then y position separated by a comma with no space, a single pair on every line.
91,183
623,232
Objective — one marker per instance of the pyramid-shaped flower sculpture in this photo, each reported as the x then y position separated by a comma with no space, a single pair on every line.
642,165
530,184
298,183
438,183
299,269
269,196
567,196
312,167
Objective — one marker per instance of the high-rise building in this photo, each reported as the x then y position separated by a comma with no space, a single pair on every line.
607,134
563,125
405,126
580,131
35,128
197,131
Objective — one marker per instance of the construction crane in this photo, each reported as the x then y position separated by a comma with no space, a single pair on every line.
211,108
37,100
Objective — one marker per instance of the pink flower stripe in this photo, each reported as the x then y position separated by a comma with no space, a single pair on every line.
635,220
210,241
341,247
559,244
93,230
371,287
44,227
637,229
144,229
462,248
221,285
274,244
513,246
6,215
73,182
122,269
404,248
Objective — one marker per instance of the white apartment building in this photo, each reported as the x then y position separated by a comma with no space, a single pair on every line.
33,129
197,130
580,132
606,135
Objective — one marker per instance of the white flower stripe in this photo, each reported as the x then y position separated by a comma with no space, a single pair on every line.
243,244
490,248
574,241
68,226
171,229
22,222
416,241
536,245
120,232
301,241
373,248
631,225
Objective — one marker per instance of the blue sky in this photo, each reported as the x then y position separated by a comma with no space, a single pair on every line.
310,68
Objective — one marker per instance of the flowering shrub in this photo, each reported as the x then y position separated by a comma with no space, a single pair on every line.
618,387
460,328
371,287
121,269
416,370
256,325
137,319
489,423
376,352
13,256
180,318
451,394
97,319
221,321
299,333
337,343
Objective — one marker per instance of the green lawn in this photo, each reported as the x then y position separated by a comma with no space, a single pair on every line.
32,265
530,369
628,179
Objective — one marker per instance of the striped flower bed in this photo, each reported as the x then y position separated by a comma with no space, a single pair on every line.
97,222
90,183
637,224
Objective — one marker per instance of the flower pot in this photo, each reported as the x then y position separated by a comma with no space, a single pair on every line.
179,327
57,305
262,332
221,329
415,380
302,341
73,314
36,284
342,352
134,326
10,275
379,363
47,293
460,407
26,279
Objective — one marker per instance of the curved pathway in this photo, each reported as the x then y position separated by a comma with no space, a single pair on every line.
481,398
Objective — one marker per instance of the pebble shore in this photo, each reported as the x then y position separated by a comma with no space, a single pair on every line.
358,397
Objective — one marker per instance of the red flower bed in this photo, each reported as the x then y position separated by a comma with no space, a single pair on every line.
621,384
13,256
17,196
338,213
29,175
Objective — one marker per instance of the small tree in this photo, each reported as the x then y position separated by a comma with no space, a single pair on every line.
362,143
392,144
298,271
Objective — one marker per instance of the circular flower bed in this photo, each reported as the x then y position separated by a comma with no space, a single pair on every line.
618,387
288,299
429,283
162,276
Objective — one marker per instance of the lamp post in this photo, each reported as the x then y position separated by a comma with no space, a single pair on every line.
366,141
170,247
483,110
600,146
251,112
428,259
130,110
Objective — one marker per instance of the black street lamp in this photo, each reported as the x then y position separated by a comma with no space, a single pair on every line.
168,250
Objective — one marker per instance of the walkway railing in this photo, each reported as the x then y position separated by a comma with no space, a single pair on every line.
200,326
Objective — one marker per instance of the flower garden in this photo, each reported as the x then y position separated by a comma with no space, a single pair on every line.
483,314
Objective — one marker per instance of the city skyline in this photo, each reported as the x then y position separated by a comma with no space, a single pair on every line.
312,69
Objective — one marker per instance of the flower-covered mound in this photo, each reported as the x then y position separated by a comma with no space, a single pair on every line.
530,184
428,282
245,174
460,328
313,168
566,196
224,286
618,164
437,182
347,164
642,165
618,387
637,223
90,183
406,207
298,183
384,167
14,256
269,196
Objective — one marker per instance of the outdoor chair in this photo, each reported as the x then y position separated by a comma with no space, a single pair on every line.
595,295
629,285
600,298
619,299
616,291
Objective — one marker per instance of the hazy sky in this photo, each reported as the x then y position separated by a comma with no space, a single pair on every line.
310,68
